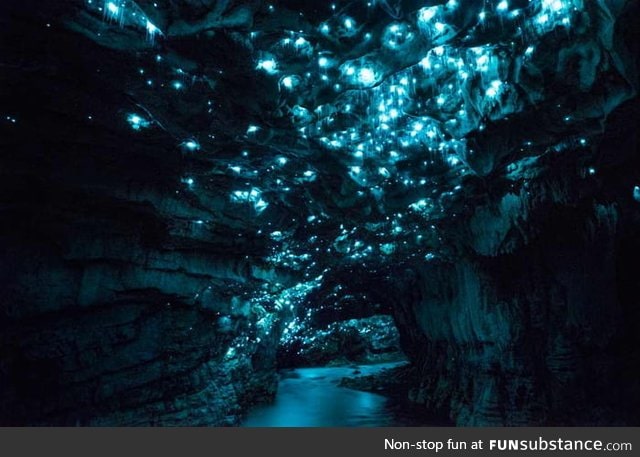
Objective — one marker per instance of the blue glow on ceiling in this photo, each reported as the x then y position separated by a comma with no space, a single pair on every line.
383,113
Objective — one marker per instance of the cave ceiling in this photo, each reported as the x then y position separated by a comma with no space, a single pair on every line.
351,136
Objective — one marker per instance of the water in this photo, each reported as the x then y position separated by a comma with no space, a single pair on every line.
311,397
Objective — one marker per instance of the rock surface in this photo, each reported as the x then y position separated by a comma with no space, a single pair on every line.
367,340
181,181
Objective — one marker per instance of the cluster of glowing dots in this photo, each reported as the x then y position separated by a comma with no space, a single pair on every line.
398,114
125,13
431,105
137,122
389,107
252,197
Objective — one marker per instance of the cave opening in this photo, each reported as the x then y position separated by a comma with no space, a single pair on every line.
203,200
340,370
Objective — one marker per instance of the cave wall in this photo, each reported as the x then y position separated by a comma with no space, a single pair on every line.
533,320
120,304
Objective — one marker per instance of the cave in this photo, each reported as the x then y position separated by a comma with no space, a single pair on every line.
430,208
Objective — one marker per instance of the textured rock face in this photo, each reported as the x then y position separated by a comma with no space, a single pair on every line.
557,304
183,180
119,304
112,326
114,312
533,325
525,338
368,340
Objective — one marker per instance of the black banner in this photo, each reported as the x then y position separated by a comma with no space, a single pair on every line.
187,442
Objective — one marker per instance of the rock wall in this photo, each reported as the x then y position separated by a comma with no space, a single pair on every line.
532,320
123,298
103,317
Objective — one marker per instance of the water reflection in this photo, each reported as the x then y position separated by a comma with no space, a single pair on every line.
311,397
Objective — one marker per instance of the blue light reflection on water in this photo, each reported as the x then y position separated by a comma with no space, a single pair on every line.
312,397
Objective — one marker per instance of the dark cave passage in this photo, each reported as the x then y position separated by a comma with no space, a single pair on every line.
399,212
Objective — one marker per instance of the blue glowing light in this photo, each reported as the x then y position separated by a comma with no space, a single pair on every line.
152,30
494,88
542,19
113,12
252,196
191,145
113,9
366,75
553,5
372,114
289,82
427,13
137,122
270,66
